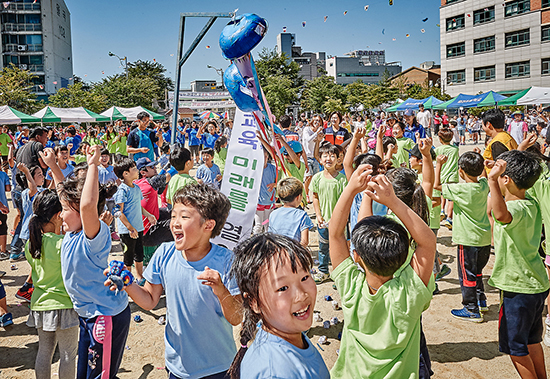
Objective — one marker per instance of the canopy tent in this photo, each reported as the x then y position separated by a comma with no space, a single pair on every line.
512,100
80,114
491,99
8,115
393,108
411,103
129,114
469,101
535,95
432,102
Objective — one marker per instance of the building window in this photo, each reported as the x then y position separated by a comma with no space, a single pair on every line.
456,77
482,74
451,1
482,45
545,33
455,23
517,69
354,74
58,9
545,4
484,15
545,63
456,50
517,38
517,7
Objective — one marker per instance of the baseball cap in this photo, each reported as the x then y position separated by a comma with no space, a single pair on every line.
145,162
409,112
516,112
415,151
294,145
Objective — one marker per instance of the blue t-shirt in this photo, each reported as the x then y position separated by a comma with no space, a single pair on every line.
67,171
289,222
106,174
198,339
208,175
192,137
377,210
131,198
167,136
269,175
27,211
76,140
83,261
4,181
270,356
410,131
208,140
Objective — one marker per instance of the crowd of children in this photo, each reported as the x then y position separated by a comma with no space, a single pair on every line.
379,191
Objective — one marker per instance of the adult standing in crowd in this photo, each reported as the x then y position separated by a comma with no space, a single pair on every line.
413,126
424,118
140,140
335,134
29,153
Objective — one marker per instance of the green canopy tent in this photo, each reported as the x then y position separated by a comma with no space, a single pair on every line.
513,100
8,115
444,105
393,108
491,100
129,114
80,114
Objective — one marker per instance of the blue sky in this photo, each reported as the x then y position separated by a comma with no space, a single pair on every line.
148,30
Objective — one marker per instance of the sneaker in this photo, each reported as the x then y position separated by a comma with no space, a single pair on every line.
17,257
115,236
4,255
2,273
482,304
6,319
448,223
445,270
547,334
442,216
436,291
320,277
24,295
465,314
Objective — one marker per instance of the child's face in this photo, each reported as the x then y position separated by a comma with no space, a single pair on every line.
71,217
132,174
148,172
38,177
415,163
329,160
287,300
207,158
187,227
104,160
397,132
63,156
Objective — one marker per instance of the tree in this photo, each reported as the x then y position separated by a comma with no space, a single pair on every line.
318,91
279,94
127,92
76,95
334,105
357,94
16,89
154,71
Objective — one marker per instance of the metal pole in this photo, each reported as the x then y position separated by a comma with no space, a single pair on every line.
126,66
175,108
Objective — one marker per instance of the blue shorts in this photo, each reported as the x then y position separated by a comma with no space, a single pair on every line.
314,167
520,321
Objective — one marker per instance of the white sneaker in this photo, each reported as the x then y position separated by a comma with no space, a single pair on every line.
320,277
547,334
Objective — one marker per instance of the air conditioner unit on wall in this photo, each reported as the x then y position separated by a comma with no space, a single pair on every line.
21,47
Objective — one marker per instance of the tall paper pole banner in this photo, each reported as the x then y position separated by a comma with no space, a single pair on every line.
242,179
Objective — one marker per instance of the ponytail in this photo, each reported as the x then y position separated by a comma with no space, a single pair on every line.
420,204
45,206
248,331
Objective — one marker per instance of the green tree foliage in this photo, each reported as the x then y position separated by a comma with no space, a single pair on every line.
318,91
16,89
127,92
76,95
334,105
357,93
279,94
155,71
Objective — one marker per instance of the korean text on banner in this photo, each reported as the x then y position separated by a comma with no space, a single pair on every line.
241,183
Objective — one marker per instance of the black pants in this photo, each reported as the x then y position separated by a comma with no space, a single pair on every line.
134,248
471,261
160,232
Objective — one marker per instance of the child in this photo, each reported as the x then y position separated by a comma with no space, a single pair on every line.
382,308
518,271
273,272
194,142
220,155
501,141
180,159
6,318
5,186
401,158
130,223
164,159
52,312
471,232
104,316
289,220
202,302
62,155
209,173
208,139
266,199
449,170
327,186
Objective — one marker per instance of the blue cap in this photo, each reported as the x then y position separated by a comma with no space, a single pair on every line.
409,112
145,162
294,145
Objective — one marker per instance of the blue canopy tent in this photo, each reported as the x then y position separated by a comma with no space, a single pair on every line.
411,103
469,101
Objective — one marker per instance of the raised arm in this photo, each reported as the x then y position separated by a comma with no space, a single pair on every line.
33,189
291,154
440,160
350,152
48,156
425,145
500,211
379,145
90,194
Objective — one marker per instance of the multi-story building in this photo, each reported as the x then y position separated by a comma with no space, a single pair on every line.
365,65
36,36
311,64
494,45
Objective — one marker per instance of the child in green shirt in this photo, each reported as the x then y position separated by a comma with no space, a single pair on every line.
471,233
401,158
180,159
382,308
449,171
518,271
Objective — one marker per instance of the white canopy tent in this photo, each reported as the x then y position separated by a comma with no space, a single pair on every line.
80,114
9,115
536,95
129,114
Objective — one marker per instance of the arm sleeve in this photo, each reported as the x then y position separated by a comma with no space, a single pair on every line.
132,140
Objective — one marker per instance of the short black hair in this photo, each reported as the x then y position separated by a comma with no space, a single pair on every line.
141,115
382,244
208,151
60,148
71,130
209,202
179,157
471,163
38,131
329,149
366,158
388,140
123,165
284,121
104,151
165,148
495,117
522,167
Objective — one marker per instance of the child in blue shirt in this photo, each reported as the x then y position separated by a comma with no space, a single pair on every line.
266,199
279,295
202,302
208,139
62,154
194,141
209,172
104,315
289,220
130,222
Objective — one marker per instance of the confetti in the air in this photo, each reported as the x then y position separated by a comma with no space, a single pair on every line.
383,31
437,25
366,7
391,2
345,13
393,39
325,19
171,55
407,35
208,46
54,82
469,15
303,24
422,30
284,29
424,20
486,9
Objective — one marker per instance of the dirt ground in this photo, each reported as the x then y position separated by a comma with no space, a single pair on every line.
458,349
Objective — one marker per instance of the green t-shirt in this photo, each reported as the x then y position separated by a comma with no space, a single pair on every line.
177,182
49,291
541,193
402,155
471,225
449,169
219,158
120,147
92,141
518,265
294,171
79,158
328,191
4,140
381,335
435,221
